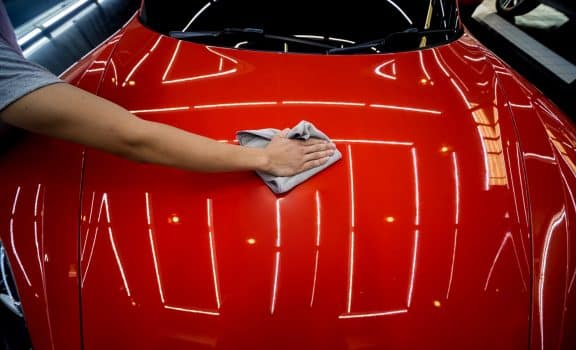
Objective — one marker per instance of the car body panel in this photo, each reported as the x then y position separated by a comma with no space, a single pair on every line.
407,250
39,196
547,147
439,228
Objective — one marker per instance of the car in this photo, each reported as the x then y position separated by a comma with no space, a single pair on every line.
510,8
447,224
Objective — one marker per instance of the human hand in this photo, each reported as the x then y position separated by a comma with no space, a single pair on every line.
287,157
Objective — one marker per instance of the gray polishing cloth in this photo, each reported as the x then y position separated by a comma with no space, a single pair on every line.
303,131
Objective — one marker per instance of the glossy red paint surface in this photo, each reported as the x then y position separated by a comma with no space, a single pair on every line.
447,224
39,202
414,231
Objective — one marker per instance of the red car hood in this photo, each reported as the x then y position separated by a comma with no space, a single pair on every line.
420,229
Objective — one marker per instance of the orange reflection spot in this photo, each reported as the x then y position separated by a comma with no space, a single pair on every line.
133,303
113,80
444,149
72,271
390,219
174,219
131,83
423,81
437,303
251,241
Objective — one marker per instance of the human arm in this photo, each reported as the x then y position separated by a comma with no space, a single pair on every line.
64,111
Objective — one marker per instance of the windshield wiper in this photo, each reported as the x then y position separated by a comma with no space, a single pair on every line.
246,31
383,41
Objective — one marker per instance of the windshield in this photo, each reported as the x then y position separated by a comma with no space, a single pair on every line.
320,25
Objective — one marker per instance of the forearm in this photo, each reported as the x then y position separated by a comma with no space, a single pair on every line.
166,145
69,113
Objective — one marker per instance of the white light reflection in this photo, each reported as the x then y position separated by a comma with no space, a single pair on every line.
235,46
12,237
475,59
375,142
113,243
214,51
171,62
392,64
401,11
519,166
318,218
237,104
409,109
375,314
160,110
456,188
196,16
144,58
413,273
88,264
26,38
516,206
135,68
456,171
192,311
63,13
342,40
329,103
40,251
305,36
507,237
554,223
198,77
277,256
39,187
88,228
153,247
352,227
536,156
94,70
115,78
416,188
422,65
213,250
442,68
318,231
275,288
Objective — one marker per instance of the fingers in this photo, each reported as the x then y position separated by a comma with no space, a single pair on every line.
319,147
314,141
314,163
284,132
319,155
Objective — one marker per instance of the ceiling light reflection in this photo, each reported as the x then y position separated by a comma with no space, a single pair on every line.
352,201
392,65
196,16
329,103
237,104
401,11
554,223
409,109
154,249
16,255
375,314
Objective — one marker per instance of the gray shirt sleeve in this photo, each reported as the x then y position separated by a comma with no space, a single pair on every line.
18,76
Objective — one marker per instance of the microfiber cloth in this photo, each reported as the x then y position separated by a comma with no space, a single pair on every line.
303,131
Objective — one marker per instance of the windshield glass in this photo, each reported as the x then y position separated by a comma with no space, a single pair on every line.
318,26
